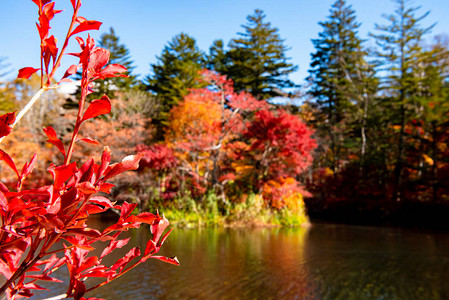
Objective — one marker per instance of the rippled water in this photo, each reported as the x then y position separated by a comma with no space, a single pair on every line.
322,262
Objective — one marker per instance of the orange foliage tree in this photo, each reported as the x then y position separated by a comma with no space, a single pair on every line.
203,125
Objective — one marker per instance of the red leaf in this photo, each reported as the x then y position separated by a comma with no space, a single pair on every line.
105,159
73,3
84,232
158,228
151,248
53,139
33,286
98,271
114,245
62,173
145,217
8,160
53,209
43,277
49,10
130,162
99,57
3,201
6,121
122,262
86,25
70,71
43,27
78,242
106,187
88,263
86,172
126,209
80,289
86,188
100,200
170,260
3,188
162,240
112,70
28,167
89,141
92,209
97,107
40,3
26,73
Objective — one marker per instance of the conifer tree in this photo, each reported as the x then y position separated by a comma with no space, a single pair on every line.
399,52
217,59
176,71
341,82
256,61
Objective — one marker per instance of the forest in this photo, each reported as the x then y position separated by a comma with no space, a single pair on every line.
222,142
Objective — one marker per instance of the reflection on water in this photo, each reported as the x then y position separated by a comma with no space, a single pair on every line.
323,262
377,263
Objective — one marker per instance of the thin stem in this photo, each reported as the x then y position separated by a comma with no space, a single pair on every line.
62,296
66,42
59,250
84,84
27,108
118,275
24,266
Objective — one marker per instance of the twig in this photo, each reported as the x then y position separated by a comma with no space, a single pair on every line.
62,296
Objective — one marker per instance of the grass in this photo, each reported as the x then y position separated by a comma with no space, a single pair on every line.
213,211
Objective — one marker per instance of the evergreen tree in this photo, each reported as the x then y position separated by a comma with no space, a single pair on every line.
399,54
217,59
256,61
341,83
176,71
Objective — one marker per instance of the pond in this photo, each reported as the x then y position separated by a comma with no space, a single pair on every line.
325,261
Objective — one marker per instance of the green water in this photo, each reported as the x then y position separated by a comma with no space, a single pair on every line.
322,262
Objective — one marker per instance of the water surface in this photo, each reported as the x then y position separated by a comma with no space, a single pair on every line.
322,262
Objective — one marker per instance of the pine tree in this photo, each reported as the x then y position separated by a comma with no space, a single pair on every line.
176,71
256,61
399,54
341,82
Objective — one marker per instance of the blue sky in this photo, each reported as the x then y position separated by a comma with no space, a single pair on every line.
145,26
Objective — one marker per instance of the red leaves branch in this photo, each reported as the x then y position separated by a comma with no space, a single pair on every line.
34,220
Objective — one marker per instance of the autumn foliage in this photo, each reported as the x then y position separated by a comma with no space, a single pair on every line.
229,143
36,219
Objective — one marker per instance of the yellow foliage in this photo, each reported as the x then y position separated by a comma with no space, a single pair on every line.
284,192
428,160
194,118
242,169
